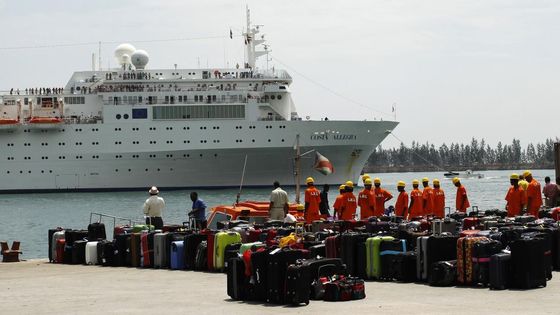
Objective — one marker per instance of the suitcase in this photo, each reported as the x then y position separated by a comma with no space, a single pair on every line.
404,266
175,236
79,252
388,250
160,250
201,259
443,273
236,282
278,262
524,219
232,251
500,271
349,243
74,235
332,246
528,263
191,243
122,250
458,216
122,229
471,223
469,233
547,235
446,225
253,235
318,251
56,235
135,249
298,284
96,231
91,253
177,259
259,263
373,259
67,255
221,240
431,249
210,239
106,253
59,250
379,227
249,246
482,251
464,259
147,245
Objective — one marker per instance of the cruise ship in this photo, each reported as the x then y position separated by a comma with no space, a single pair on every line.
133,127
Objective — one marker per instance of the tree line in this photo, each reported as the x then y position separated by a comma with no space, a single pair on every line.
476,155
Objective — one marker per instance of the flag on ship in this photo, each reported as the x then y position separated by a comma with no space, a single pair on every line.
322,164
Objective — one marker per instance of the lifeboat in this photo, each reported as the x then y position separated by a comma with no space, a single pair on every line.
9,124
252,211
45,122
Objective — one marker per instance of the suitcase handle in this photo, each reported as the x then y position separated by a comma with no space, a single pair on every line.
333,270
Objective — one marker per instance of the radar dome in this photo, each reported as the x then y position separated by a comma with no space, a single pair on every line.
123,53
140,59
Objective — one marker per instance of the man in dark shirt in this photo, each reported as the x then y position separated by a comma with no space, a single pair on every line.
324,205
198,211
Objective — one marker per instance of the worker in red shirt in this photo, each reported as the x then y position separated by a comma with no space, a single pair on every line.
366,201
439,200
534,196
416,208
427,197
461,200
337,206
381,196
515,197
401,206
349,204
312,201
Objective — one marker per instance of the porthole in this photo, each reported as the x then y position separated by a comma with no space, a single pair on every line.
125,116
118,116
272,97
279,97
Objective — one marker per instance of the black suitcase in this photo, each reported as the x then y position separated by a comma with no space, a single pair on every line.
349,243
387,252
298,284
122,250
190,249
500,271
443,273
278,261
96,231
404,266
106,253
201,258
259,264
317,251
547,234
231,251
79,252
236,282
528,262
74,235
441,248
482,251
67,257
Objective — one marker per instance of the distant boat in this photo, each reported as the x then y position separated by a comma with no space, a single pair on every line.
465,174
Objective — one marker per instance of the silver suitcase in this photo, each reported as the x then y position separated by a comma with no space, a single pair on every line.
91,253
160,250
422,258
56,236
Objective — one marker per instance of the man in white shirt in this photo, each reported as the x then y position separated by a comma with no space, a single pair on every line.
278,203
153,208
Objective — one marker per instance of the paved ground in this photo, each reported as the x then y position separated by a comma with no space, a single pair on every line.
37,287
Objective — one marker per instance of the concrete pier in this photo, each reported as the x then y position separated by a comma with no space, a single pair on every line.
38,287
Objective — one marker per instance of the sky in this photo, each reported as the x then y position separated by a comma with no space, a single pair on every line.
453,69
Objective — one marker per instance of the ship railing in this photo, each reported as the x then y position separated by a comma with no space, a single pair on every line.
114,218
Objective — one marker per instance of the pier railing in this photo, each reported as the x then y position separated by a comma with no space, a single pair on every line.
115,218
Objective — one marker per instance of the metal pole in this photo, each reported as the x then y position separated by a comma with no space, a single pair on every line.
242,178
298,175
557,158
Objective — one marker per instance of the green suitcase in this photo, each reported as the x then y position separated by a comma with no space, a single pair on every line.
373,259
247,246
221,240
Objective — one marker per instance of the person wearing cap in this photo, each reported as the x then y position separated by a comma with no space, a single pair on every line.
312,201
349,204
461,199
381,196
427,197
439,199
278,203
515,197
153,208
198,211
337,205
366,201
416,208
364,177
522,182
534,196
401,206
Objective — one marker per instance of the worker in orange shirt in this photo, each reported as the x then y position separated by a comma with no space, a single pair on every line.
312,201
416,208
401,206
366,201
534,196
337,206
349,204
427,197
381,196
461,200
439,199
515,197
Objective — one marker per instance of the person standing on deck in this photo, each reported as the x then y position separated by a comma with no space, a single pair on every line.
349,203
461,200
516,198
198,210
366,201
312,201
381,196
534,197
278,208
337,205
324,205
427,197
401,206
439,200
416,208
550,192
153,208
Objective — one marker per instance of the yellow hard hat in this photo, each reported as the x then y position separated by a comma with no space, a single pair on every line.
367,181
425,179
524,184
401,184
377,180
527,173
455,180
342,187
436,181
349,184
309,180
514,176
415,182
300,207
366,176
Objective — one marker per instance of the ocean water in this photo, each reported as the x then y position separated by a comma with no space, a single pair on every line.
27,217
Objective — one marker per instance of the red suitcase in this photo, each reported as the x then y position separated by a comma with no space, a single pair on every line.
470,223
210,253
145,250
469,233
254,235
60,244
332,248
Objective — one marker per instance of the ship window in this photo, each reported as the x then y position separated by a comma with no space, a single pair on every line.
273,97
139,113
125,116
279,97
198,112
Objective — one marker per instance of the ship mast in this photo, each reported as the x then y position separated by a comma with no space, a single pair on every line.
251,54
